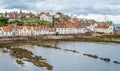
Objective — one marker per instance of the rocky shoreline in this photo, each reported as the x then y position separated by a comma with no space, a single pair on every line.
58,38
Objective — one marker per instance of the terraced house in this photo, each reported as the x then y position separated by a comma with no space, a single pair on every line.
104,28
24,31
7,31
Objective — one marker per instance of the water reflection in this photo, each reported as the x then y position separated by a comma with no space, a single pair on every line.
63,56
21,54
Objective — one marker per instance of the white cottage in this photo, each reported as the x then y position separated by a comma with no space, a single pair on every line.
46,17
44,30
60,28
70,28
52,31
24,31
36,30
104,29
7,31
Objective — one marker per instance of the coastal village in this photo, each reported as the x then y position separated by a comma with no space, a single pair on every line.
30,24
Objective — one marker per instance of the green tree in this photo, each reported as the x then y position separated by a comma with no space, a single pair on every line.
3,24
19,23
4,20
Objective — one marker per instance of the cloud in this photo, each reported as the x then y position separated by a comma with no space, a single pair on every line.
76,7
100,17
67,6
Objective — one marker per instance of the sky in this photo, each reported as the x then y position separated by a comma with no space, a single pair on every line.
100,10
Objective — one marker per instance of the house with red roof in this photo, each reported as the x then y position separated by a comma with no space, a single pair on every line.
7,31
44,30
52,30
103,28
70,28
36,30
80,29
60,28
24,31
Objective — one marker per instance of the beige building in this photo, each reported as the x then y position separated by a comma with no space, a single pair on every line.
24,31
1,31
104,29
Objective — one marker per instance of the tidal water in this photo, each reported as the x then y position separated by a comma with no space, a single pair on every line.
63,60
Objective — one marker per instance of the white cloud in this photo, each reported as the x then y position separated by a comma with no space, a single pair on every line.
99,17
93,9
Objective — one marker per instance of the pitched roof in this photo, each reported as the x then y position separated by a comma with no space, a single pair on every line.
19,27
102,26
36,28
70,25
60,25
7,29
28,27
43,28
52,30
11,25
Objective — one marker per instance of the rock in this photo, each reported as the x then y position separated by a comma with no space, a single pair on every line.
90,55
116,62
74,51
19,62
105,59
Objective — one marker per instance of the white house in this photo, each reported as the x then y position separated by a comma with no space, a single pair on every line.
7,31
36,30
52,30
60,28
70,28
80,29
104,29
44,30
46,17
24,31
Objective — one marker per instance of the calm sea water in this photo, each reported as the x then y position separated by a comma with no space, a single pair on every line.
62,60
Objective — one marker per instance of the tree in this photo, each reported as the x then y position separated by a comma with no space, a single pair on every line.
4,20
19,23
59,13
3,24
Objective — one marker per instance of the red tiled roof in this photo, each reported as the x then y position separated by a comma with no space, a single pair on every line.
19,27
28,27
102,26
52,30
60,25
70,25
36,27
7,29
44,28
76,24
11,25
